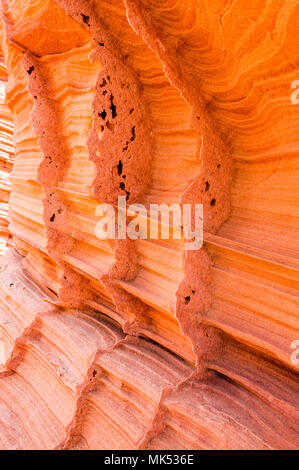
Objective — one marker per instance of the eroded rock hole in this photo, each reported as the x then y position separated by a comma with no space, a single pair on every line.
133,133
207,186
123,187
104,83
120,167
213,202
30,70
103,114
113,107
52,218
85,19
187,299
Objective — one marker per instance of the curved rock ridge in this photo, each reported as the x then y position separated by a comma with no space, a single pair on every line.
144,344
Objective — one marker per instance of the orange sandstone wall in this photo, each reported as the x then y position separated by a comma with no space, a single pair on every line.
6,160
142,344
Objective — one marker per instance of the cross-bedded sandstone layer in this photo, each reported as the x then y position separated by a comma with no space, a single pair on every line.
142,344
6,160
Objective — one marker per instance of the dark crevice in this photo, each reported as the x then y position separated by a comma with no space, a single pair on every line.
133,133
103,114
120,167
85,19
113,107
30,70
104,83
123,187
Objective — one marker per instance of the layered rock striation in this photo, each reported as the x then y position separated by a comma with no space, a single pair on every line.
6,160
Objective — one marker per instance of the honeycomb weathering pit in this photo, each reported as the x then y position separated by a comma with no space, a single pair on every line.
142,343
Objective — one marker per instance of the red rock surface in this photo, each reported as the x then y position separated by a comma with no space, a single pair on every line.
142,344
6,160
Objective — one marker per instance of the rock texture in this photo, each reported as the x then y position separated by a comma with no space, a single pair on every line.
6,160
142,344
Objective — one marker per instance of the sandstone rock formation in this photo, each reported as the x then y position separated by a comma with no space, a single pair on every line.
6,160
142,344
